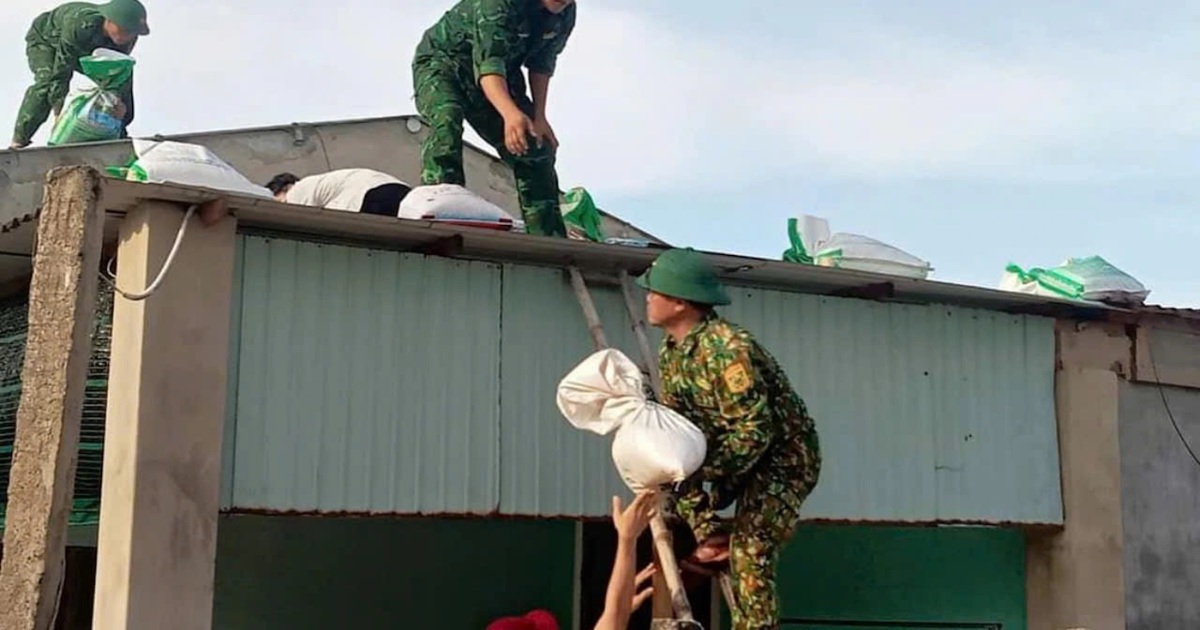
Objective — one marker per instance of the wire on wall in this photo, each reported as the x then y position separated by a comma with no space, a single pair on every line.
111,277
1162,391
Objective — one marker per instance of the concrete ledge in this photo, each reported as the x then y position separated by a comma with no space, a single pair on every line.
1167,357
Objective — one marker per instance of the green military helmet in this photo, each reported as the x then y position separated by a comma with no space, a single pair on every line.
684,274
130,15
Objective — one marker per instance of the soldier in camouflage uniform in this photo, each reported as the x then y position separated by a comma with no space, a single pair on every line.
763,450
469,66
56,42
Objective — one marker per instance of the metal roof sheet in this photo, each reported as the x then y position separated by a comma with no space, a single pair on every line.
454,241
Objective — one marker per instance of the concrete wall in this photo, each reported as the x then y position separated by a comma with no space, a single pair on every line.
1074,574
1160,506
385,144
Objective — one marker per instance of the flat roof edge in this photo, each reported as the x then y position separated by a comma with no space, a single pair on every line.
272,216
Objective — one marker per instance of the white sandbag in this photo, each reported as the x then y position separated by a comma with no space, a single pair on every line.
1091,278
812,232
1104,282
812,244
189,164
449,202
93,110
862,253
653,445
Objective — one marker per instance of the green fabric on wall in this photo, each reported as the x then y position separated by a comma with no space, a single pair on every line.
14,322
276,572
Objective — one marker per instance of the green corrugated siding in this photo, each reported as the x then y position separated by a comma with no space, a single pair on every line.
306,572
14,325
406,383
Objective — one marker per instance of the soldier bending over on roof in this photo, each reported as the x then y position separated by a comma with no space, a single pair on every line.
469,66
54,44
763,450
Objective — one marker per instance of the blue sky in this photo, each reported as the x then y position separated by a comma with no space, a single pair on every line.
968,135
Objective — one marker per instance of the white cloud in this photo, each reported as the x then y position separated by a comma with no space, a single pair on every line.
640,107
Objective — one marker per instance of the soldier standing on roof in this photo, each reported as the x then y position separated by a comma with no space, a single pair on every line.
469,66
763,450
56,42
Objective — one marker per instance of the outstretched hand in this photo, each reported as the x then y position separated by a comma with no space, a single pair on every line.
632,521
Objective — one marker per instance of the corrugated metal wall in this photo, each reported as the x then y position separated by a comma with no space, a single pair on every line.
367,381
382,382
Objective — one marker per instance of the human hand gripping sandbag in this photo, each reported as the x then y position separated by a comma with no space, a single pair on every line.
653,445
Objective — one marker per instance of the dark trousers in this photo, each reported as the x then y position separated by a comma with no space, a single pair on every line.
384,200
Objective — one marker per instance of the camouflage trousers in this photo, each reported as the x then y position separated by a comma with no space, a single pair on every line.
51,81
445,99
768,512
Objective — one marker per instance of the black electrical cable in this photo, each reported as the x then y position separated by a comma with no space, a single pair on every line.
1162,392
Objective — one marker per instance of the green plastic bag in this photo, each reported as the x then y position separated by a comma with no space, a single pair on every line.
95,112
580,211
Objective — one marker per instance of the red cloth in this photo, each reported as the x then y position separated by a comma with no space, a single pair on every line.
542,620
535,620
511,623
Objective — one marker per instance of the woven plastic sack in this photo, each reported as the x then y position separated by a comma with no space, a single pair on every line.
449,202
652,445
173,162
93,111
862,253
581,215
1091,278
812,244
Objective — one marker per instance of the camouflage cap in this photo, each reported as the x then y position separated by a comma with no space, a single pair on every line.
684,274
130,15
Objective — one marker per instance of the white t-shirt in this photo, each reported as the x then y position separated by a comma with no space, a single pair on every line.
342,189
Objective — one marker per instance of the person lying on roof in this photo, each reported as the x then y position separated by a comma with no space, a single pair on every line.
54,44
469,66
350,189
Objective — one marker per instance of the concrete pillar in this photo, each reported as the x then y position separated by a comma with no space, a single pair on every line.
1075,577
166,411
62,299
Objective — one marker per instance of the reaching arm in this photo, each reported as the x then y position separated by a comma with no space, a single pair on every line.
496,91
539,86
622,597
493,23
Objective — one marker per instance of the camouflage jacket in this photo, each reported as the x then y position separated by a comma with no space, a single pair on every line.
499,37
720,378
73,30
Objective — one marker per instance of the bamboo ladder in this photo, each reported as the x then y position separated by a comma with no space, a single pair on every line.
663,550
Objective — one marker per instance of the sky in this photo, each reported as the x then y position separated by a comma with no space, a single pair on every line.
971,136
